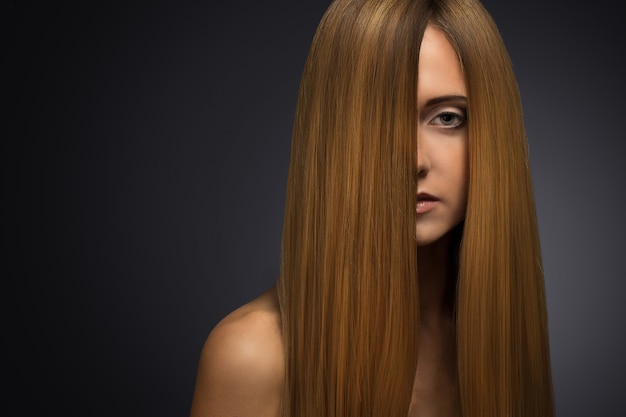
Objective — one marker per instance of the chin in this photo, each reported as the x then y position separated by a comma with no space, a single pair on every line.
427,236
425,239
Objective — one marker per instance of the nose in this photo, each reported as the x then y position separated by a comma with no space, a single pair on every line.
423,162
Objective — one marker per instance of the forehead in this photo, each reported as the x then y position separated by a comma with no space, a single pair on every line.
439,70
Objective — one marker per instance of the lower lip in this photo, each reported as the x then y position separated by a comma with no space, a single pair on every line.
425,206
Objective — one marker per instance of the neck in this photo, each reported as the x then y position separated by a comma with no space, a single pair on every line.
433,263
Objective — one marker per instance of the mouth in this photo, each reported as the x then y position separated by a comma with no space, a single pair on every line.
425,203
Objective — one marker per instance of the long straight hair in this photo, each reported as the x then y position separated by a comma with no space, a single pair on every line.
348,286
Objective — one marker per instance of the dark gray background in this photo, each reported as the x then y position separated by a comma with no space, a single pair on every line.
145,168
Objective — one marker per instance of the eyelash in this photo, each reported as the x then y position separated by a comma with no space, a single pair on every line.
461,119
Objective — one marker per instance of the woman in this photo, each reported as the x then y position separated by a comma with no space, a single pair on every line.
411,279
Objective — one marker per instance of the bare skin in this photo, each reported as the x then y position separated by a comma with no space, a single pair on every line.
242,363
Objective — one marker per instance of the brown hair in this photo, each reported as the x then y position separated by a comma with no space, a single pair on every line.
348,287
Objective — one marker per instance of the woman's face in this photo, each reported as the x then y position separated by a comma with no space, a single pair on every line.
441,139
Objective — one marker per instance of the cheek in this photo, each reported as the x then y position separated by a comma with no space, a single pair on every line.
457,165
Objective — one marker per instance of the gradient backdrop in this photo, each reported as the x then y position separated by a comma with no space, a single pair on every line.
145,172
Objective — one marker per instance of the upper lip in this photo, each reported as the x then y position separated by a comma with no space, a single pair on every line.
426,196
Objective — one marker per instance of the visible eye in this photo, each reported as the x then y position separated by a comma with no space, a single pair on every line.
448,119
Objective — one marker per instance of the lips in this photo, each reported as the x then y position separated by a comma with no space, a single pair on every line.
425,203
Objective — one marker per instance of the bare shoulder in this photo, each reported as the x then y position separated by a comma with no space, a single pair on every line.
241,366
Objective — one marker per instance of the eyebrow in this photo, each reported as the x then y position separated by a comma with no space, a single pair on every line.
445,99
